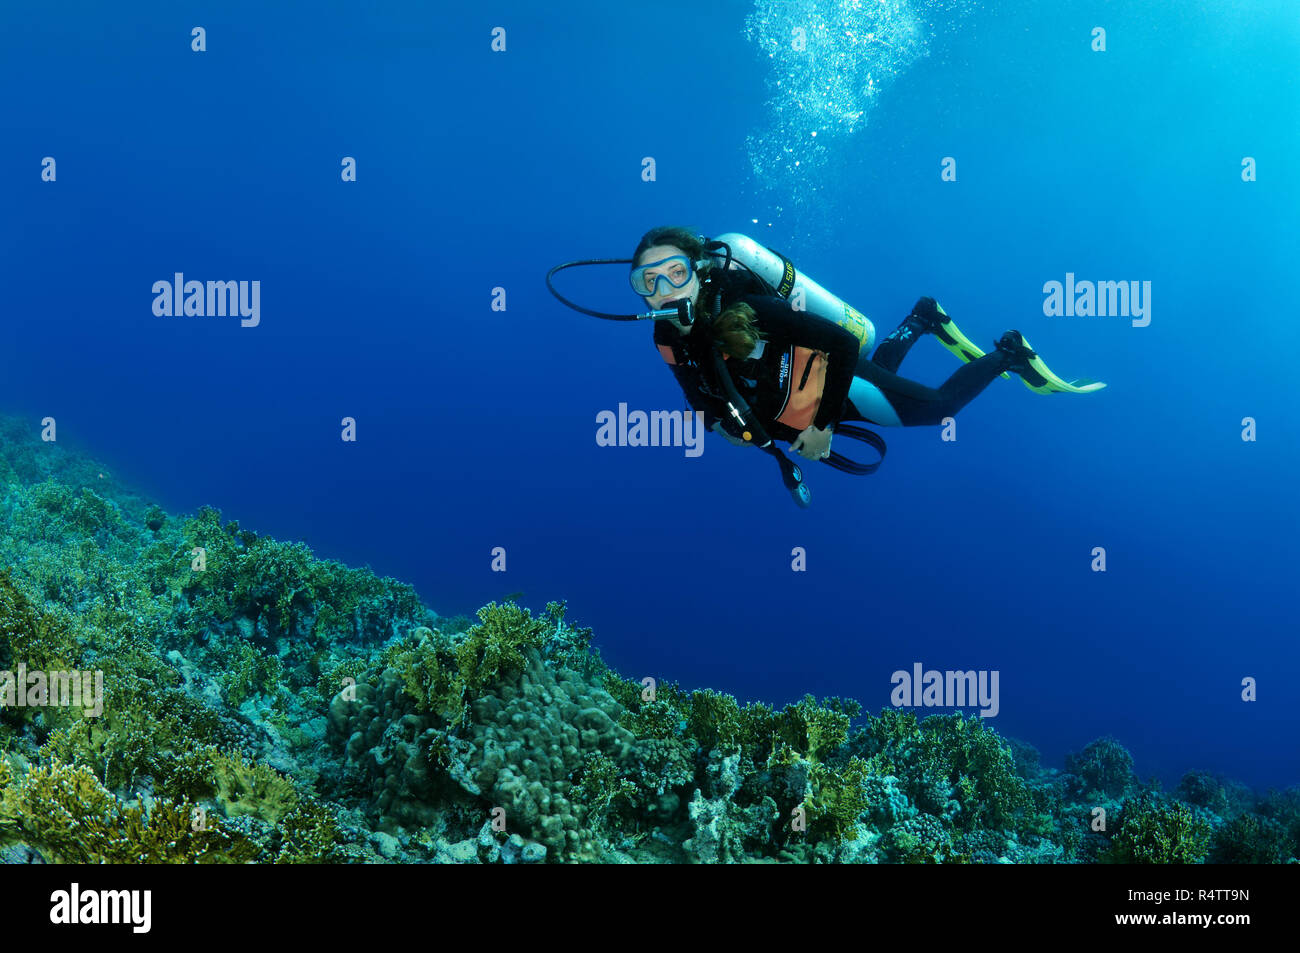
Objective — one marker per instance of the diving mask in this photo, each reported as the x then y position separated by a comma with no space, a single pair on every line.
676,270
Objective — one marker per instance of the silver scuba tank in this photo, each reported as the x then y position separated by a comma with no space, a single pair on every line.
802,292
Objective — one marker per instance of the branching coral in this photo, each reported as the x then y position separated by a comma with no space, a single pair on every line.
1153,830
283,586
250,671
952,766
66,813
29,637
444,671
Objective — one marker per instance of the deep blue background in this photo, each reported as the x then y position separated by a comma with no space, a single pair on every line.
479,170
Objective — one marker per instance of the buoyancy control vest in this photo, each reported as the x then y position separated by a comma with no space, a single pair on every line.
802,376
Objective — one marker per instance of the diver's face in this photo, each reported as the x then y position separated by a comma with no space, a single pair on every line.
664,292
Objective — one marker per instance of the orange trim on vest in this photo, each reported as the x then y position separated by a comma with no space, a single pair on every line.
804,386
804,395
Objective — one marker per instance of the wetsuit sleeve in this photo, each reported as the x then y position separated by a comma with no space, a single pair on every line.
785,326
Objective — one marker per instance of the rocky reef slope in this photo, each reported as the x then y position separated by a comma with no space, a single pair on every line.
263,705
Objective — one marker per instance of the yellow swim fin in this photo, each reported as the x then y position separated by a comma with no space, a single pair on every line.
950,336
1041,379
1037,376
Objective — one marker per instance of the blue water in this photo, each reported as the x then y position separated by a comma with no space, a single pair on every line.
476,427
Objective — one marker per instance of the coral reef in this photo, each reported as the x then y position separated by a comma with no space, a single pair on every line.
1153,830
263,705
1104,766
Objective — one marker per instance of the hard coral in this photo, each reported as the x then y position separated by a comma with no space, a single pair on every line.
66,814
1250,839
495,647
949,765
285,589
1153,830
1105,766
526,738
31,637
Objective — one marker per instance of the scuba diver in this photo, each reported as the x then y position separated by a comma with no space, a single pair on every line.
766,353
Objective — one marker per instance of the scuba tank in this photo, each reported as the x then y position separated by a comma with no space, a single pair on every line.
780,275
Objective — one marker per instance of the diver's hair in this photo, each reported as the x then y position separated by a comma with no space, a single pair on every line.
687,239
734,329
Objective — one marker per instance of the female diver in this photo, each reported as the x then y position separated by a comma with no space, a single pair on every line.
802,373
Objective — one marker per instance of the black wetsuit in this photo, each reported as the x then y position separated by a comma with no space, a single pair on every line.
761,382
916,404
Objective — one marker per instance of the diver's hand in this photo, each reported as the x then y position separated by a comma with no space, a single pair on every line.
813,444
718,428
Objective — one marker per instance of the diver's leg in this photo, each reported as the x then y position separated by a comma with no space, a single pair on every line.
882,397
868,402
891,351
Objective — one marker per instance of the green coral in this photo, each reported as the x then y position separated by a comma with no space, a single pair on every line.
815,731
30,637
334,675
249,671
245,787
494,648
655,720
155,518
102,580
444,671
285,586
86,513
427,663
980,763
1105,766
1154,830
838,799
306,831
714,719
599,785
1284,808
291,825
625,691
66,813
92,513
144,734
922,839
310,835
1250,839
799,746
951,758
1204,789
54,498
890,739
